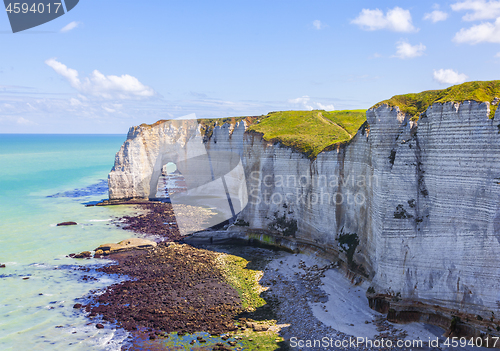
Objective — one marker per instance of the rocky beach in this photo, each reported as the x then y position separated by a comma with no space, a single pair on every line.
172,290
233,297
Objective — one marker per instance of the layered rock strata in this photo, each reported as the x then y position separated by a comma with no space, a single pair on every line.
414,208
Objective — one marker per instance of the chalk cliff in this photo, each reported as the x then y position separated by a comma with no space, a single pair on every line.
412,206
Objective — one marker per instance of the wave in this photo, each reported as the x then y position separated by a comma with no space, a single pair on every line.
99,188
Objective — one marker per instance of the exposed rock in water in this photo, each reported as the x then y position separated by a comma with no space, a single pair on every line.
84,254
159,219
66,223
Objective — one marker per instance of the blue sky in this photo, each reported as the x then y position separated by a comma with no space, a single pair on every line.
108,65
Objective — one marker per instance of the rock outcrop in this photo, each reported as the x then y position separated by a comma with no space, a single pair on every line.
125,245
414,208
62,224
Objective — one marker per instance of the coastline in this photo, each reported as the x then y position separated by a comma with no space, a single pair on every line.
197,298
295,304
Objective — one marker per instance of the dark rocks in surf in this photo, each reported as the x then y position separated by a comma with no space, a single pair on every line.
66,224
84,254
159,219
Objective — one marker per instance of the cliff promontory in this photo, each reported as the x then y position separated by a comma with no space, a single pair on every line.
409,200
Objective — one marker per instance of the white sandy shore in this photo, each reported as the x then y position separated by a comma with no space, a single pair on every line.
307,279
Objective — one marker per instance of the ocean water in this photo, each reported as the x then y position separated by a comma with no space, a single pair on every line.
45,180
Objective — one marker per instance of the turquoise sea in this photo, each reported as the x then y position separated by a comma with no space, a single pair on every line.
45,180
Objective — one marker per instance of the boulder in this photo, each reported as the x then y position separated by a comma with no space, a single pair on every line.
66,223
260,327
84,254
125,245
256,326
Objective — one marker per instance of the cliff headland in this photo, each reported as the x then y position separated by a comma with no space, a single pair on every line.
405,196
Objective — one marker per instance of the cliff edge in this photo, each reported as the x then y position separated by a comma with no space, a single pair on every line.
411,201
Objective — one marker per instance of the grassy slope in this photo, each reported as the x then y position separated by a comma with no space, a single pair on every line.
415,104
310,131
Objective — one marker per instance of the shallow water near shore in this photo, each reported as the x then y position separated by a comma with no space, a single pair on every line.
45,180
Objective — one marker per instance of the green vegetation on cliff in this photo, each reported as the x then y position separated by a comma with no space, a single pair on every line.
307,131
415,104
310,131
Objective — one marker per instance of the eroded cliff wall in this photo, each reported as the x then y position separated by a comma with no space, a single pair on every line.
437,208
423,200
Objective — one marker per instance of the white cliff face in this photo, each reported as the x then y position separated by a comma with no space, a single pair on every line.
437,208
424,201
147,149
210,177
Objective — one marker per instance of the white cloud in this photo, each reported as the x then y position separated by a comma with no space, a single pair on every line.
325,107
319,25
497,55
75,102
70,26
449,76
101,86
305,102
481,9
301,100
107,109
70,74
112,108
189,116
25,122
397,20
405,50
436,16
484,32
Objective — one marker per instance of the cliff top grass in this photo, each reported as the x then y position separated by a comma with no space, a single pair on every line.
310,131
416,104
